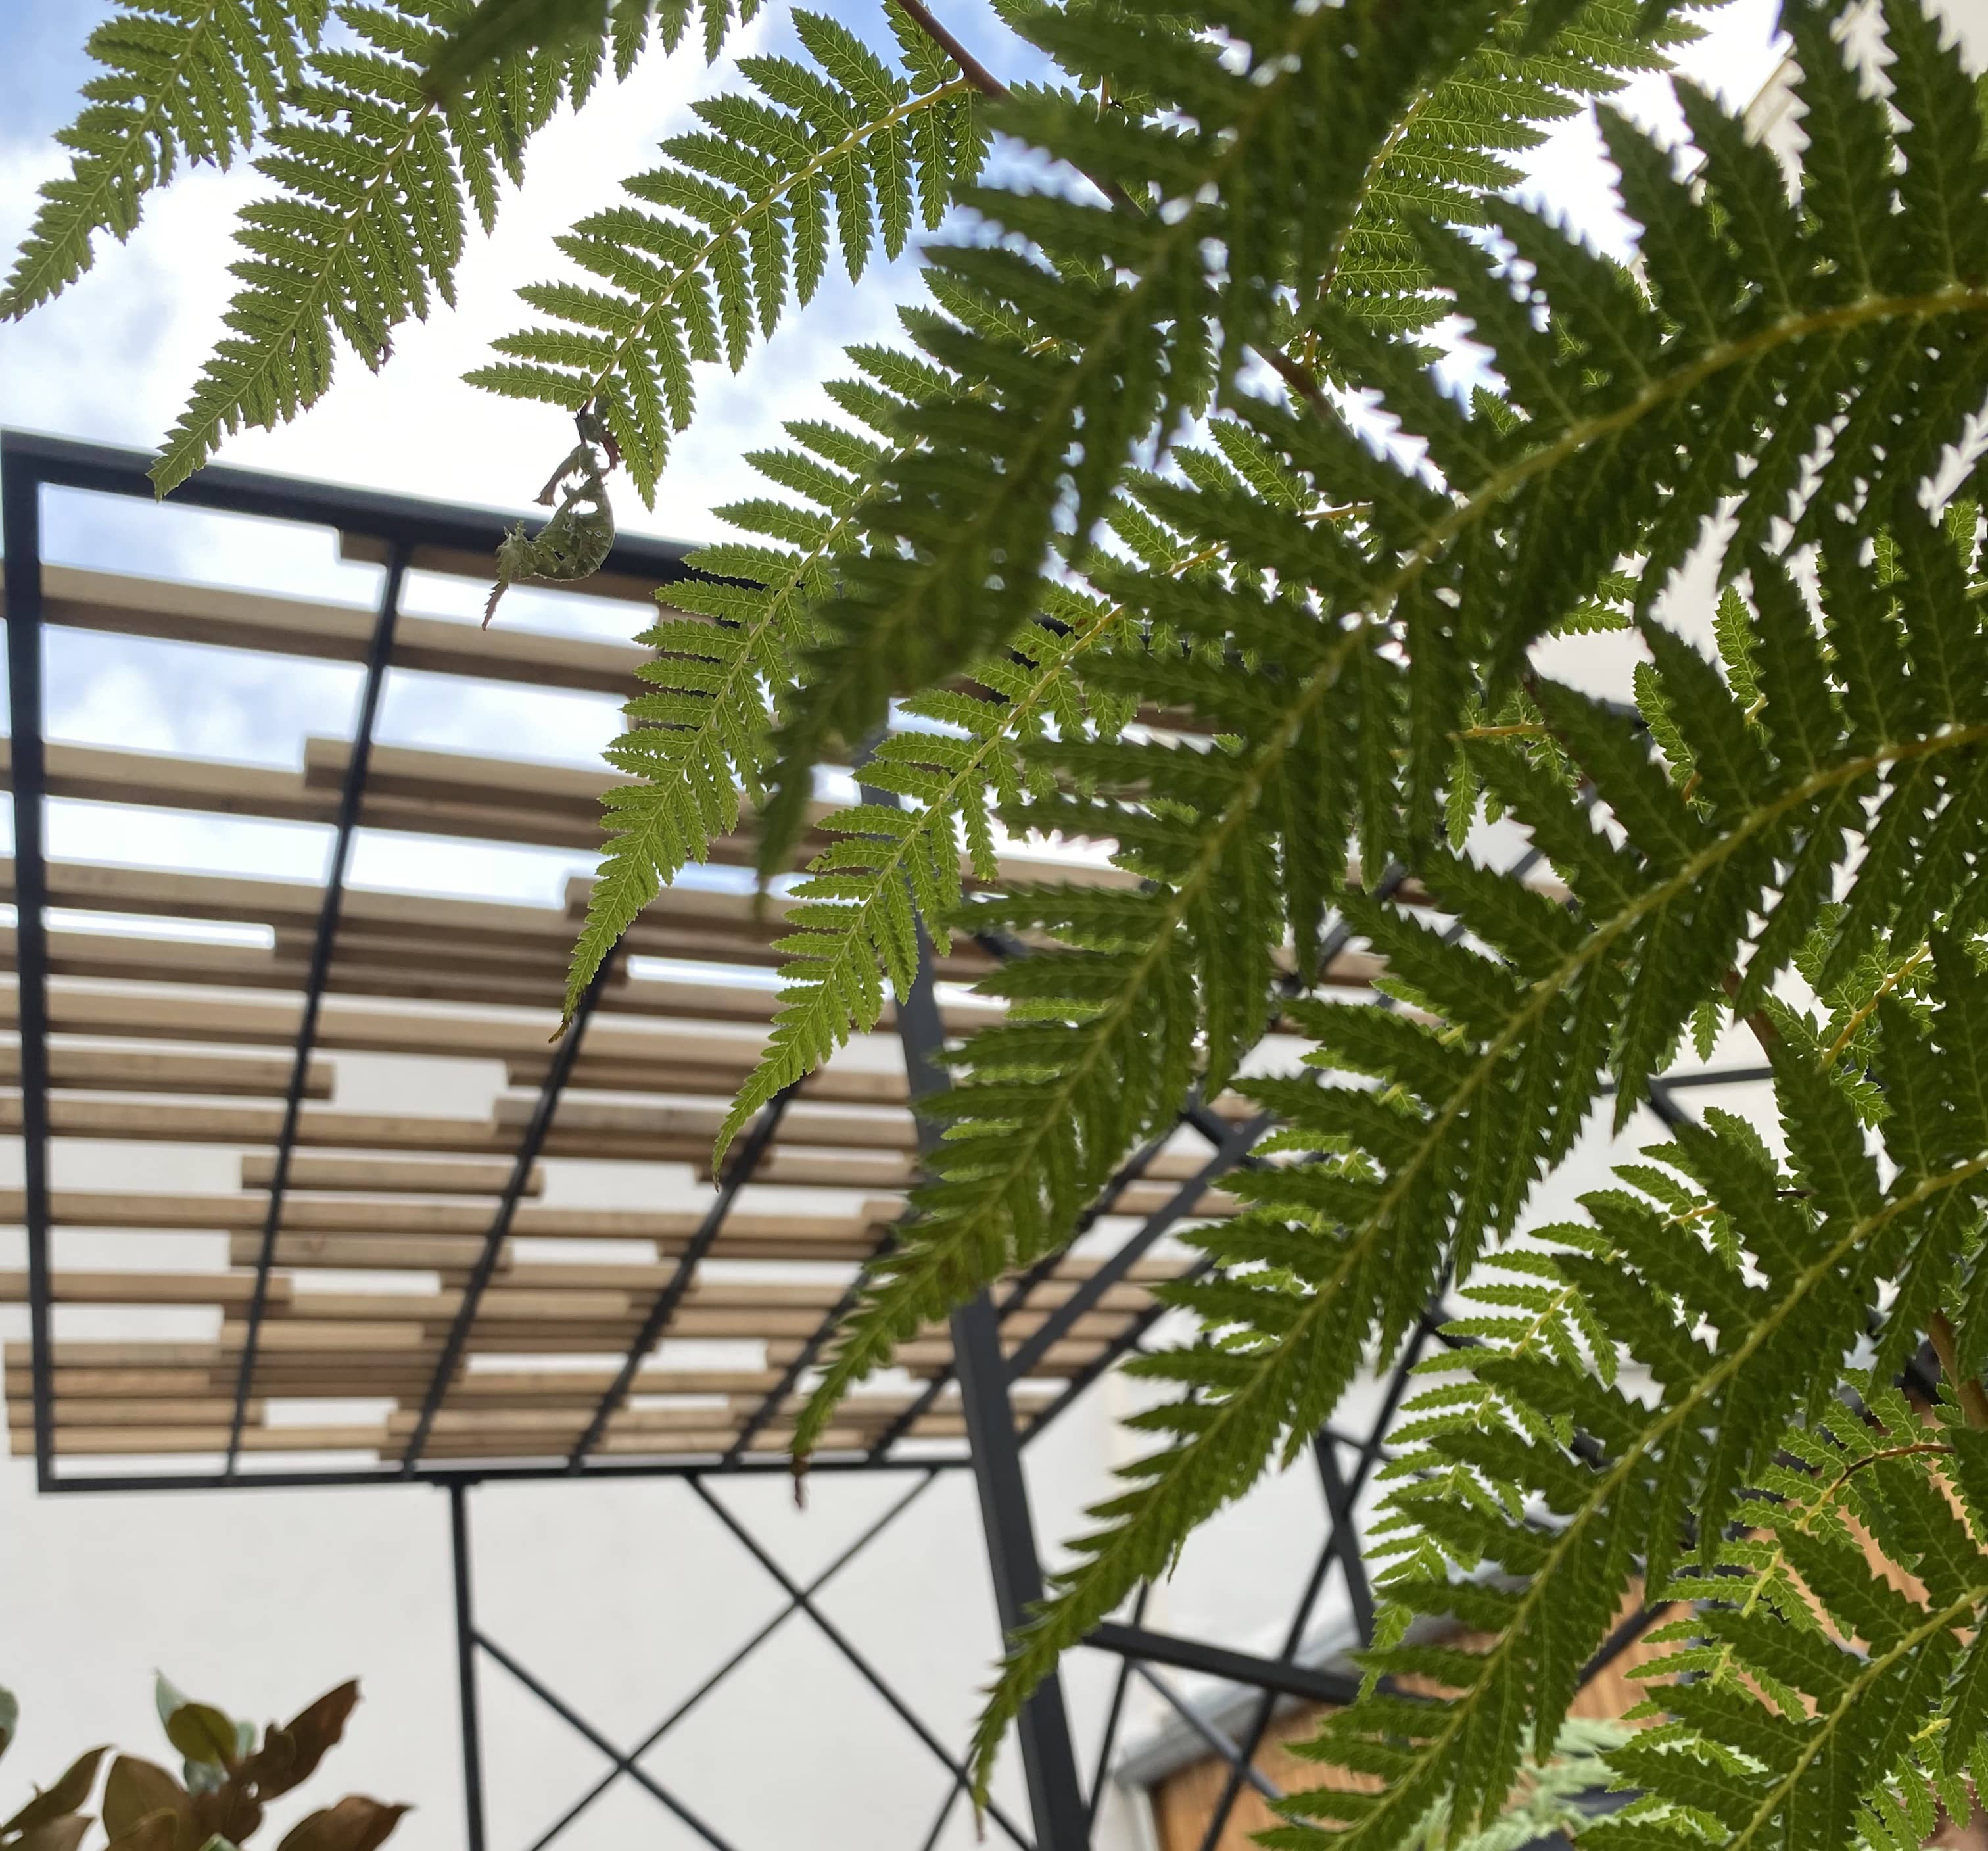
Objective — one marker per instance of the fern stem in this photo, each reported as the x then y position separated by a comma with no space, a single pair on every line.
1967,1389
1864,1013
976,73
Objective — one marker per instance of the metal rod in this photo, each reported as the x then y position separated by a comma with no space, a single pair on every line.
1208,1733
1109,1740
529,1147
465,1667
572,1718
1279,1675
1128,1173
836,1637
1343,1541
1232,1148
952,1799
20,534
738,1173
325,938
738,1658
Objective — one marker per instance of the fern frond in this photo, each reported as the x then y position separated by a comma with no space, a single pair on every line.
1156,987
1732,1355
745,210
368,223
1536,1020
699,743
1195,291
191,80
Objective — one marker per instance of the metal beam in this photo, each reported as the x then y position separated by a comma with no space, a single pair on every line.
737,1659
528,1146
357,1478
322,942
107,469
465,1668
20,534
572,1718
744,1160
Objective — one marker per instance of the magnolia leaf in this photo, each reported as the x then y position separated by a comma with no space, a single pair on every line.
136,1789
201,1732
290,1755
63,1833
355,1824
10,1716
65,1796
154,1832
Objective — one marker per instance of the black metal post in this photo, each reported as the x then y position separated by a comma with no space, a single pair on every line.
478,1281
738,1174
323,943
465,1668
21,533
1048,1761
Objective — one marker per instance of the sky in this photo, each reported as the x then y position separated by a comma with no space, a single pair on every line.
112,359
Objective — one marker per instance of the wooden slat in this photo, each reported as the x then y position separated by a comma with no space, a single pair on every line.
125,606
403,1176
98,1442
141,1071
665,1228
148,1410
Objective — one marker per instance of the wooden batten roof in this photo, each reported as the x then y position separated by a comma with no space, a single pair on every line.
421,1287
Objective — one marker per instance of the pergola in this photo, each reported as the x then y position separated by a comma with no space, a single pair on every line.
513,1368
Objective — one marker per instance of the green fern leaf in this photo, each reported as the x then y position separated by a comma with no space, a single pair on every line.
191,80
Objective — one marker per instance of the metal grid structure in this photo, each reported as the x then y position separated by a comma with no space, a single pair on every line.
1008,1366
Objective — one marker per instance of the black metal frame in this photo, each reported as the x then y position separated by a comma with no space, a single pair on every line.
1063,1809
